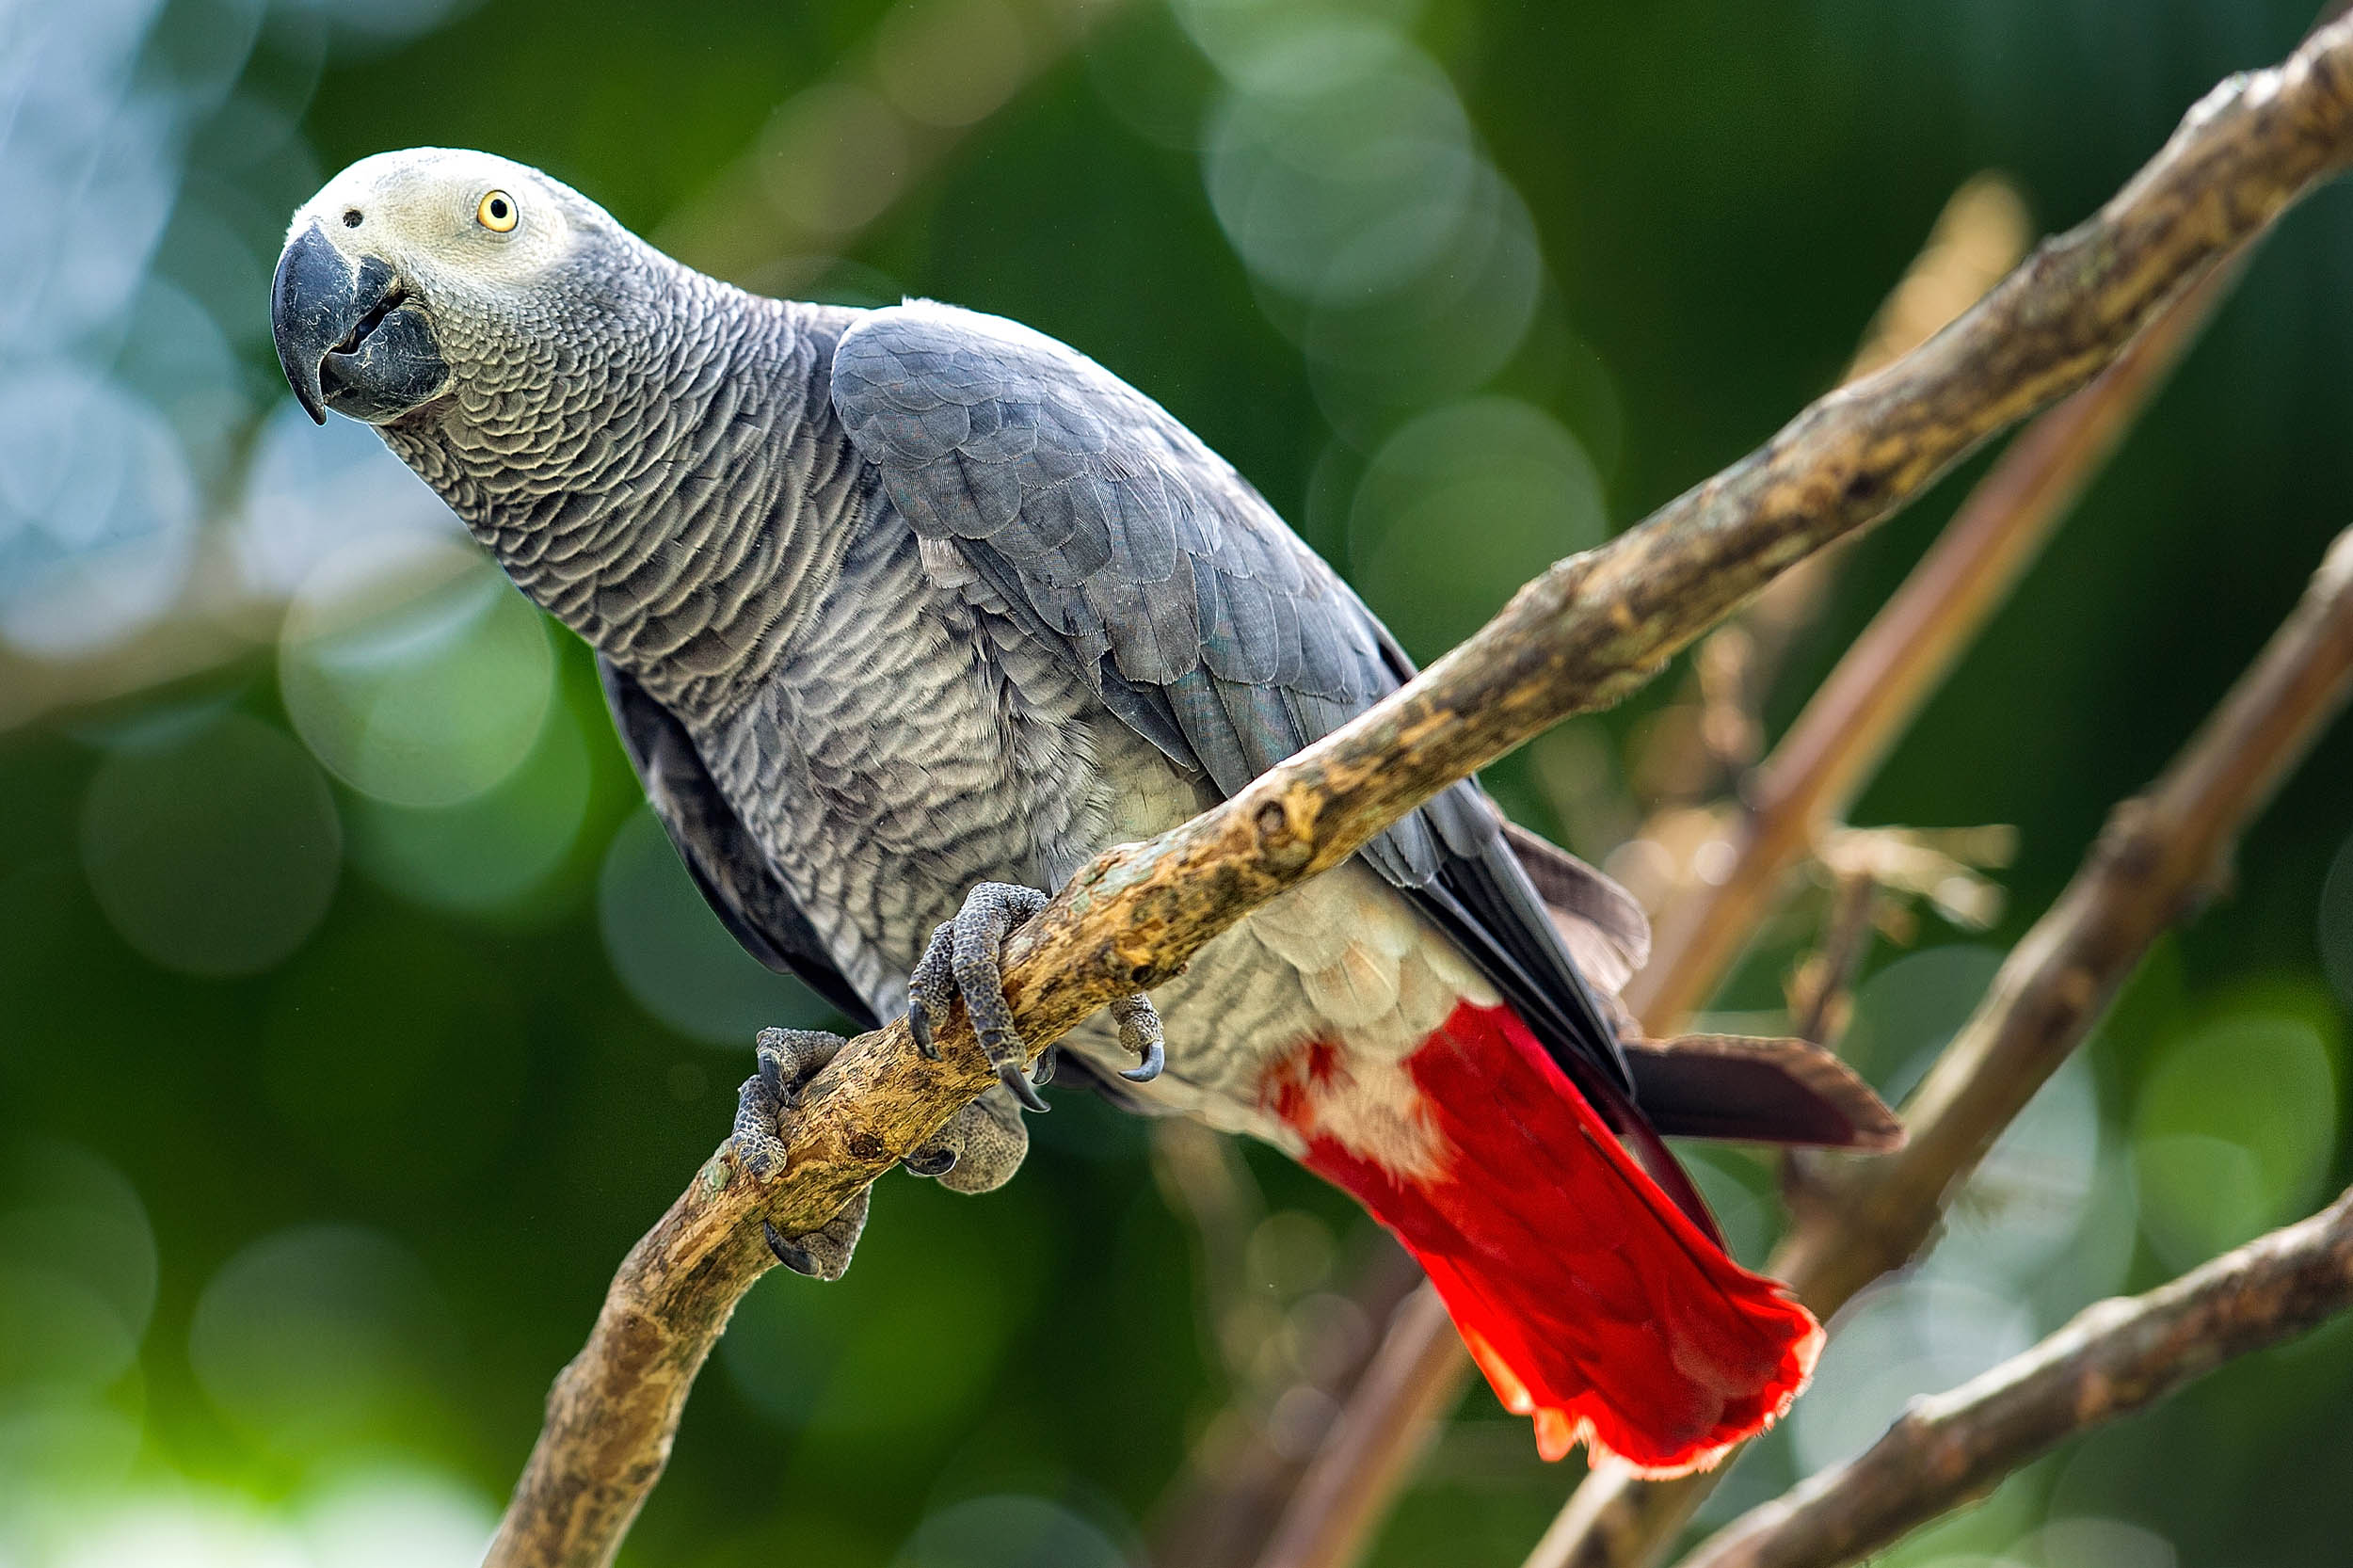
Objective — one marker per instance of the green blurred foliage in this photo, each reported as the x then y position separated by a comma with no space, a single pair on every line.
325,1114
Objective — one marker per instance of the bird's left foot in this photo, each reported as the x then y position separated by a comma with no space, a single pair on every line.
789,1058
966,958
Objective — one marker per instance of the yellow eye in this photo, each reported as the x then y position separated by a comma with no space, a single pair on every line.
496,213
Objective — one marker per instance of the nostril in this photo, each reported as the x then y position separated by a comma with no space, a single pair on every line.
351,217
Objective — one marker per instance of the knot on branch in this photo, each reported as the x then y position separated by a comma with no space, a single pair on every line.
1286,846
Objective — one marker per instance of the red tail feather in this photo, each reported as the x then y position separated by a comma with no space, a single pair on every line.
1590,1301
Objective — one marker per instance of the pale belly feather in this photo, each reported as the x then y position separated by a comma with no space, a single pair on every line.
1342,959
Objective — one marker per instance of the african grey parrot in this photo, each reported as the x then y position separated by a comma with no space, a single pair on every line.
906,613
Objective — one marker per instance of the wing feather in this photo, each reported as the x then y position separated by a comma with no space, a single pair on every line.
1182,596
720,851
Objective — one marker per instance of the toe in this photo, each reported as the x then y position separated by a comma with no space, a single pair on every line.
1140,1031
789,1253
938,1161
990,1142
1016,1080
789,1058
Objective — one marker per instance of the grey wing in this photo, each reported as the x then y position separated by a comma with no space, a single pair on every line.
720,851
1109,530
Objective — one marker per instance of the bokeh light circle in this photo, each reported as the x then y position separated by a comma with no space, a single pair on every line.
1899,1339
77,1269
1460,507
320,1337
1010,1531
311,492
493,851
97,510
215,853
2234,1128
1346,162
413,669
675,958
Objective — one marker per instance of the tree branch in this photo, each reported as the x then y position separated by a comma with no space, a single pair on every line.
2155,860
2116,1357
1872,696
1902,657
1580,636
1415,1375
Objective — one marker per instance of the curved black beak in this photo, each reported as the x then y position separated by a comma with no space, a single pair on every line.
348,336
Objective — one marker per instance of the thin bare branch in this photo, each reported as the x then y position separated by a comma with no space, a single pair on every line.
1582,636
2115,1358
2154,863
1418,1375
1373,1445
1224,1505
1901,658
1870,699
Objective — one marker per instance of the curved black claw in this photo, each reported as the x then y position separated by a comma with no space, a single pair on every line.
1048,1060
962,960
791,1253
1140,1031
931,988
931,1162
1017,1079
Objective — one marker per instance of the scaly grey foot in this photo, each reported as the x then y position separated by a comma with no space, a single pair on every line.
789,1058
965,958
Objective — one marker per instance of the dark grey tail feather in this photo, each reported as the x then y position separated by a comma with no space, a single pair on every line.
1764,1091
1606,929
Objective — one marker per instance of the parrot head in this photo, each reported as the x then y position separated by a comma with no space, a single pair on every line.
412,274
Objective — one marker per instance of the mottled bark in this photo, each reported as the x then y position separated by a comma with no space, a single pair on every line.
1579,637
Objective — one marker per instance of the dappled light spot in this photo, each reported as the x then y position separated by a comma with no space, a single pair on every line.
1010,1531
312,491
1459,509
492,852
374,1517
675,958
414,670
2234,1129
1898,1339
394,1518
213,853
97,510
183,1532
320,1339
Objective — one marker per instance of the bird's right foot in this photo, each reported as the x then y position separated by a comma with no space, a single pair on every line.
965,958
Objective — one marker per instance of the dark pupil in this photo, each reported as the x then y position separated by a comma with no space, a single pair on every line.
497,210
